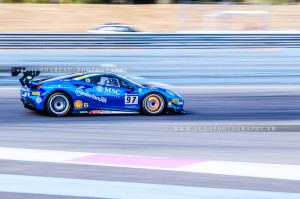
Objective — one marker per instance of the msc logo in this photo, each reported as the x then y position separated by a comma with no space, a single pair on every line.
109,91
100,89
112,91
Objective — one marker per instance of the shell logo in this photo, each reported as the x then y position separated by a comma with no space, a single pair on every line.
78,104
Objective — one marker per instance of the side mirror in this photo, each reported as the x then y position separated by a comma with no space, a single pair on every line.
130,88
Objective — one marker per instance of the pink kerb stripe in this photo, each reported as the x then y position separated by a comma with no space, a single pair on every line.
137,161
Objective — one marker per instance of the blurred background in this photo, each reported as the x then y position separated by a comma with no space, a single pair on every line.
236,64
28,16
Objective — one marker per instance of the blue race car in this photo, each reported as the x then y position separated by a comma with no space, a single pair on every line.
95,93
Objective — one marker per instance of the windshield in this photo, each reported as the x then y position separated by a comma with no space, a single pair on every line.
130,81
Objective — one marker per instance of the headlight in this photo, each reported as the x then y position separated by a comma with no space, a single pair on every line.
173,94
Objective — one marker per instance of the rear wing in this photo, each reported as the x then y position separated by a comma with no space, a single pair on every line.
28,75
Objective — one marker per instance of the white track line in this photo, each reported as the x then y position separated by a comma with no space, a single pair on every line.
125,190
260,170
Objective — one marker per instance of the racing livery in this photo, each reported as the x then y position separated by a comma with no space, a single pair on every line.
95,93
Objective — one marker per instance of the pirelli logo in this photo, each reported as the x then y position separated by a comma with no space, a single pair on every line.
35,93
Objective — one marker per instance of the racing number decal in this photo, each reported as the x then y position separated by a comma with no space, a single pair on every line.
131,99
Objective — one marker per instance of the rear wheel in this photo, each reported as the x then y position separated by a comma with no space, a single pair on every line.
153,104
58,104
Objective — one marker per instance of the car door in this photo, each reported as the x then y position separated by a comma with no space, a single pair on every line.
131,95
87,93
118,93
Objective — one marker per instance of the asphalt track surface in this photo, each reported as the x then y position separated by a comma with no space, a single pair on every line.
159,136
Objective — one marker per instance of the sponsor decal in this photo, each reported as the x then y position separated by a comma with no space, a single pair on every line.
38,100
175,100
80,92
86,105
131,106
24,88
123,112
78,104
94,112
36,93
100,88
24,94
58,86
131,98
98,112
109,91
83,112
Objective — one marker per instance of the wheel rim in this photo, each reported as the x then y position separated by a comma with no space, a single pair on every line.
154,103
59,104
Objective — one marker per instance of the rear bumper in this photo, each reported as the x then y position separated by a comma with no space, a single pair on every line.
28,103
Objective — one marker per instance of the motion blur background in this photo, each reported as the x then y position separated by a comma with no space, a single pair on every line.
235,63
183,16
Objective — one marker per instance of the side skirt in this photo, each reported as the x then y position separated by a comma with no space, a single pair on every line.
104,112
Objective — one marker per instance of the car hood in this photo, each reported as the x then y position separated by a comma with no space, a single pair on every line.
169,93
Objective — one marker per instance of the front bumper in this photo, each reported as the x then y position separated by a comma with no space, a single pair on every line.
172,111
176,106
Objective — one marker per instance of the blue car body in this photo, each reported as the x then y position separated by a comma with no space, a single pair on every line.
122,95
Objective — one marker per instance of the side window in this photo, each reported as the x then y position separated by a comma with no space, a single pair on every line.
131,30
108,81
122,29
106,28
123,84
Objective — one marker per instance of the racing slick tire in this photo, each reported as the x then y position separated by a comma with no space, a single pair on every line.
153,104
58,104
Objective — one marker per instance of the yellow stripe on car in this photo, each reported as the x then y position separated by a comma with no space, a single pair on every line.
80,77
85,76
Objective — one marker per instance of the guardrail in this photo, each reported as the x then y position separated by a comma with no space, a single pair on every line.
150,41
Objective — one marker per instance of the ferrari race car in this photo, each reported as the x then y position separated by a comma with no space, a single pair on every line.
95,93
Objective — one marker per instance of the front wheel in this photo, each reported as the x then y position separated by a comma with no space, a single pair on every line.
153,104
58,104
